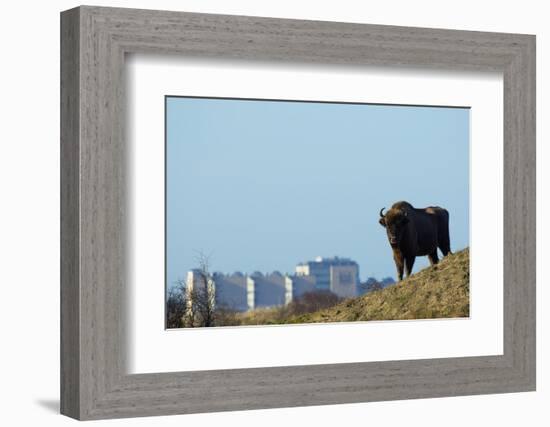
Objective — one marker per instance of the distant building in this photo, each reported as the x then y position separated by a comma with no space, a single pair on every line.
266,290
242,292
197,282
296,286
231,290
273,289
338,275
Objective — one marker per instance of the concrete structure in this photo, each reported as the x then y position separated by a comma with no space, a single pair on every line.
266,290
242,292
338,275
196,281
296,286
231,290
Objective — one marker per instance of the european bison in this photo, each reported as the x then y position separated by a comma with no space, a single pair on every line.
415,232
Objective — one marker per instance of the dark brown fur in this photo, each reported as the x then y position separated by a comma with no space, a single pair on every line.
416,232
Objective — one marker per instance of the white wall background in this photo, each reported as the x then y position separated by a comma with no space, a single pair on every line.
29,215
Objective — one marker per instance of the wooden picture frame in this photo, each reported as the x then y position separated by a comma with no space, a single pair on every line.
94,382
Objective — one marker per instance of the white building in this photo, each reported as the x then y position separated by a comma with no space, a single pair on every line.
296,286
266,290
338,275
242,292
196,281
231,290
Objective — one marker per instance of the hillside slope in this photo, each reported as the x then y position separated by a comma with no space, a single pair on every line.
435,292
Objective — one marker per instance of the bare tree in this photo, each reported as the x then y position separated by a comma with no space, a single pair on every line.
176,305
201,295
188,316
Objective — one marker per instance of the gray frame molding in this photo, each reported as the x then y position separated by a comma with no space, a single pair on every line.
94,41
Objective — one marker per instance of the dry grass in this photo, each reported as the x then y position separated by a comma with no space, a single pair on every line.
435,292
441,291
264,316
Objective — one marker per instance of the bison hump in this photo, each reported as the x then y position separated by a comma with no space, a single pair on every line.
402,205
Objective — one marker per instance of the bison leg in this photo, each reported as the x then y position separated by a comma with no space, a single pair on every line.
445,245
443,239
398,258
434,259
409,262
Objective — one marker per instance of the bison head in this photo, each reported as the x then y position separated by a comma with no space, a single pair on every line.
395,222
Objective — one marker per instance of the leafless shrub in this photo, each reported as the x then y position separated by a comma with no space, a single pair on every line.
176,304
312,301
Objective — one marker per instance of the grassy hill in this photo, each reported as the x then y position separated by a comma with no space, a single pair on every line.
435,292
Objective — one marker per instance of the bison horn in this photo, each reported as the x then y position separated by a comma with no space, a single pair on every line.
381,212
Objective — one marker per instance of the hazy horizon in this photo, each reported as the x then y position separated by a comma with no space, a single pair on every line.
265,185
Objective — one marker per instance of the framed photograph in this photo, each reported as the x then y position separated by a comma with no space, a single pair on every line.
261,213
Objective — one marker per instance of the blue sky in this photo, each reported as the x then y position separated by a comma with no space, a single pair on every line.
264,185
